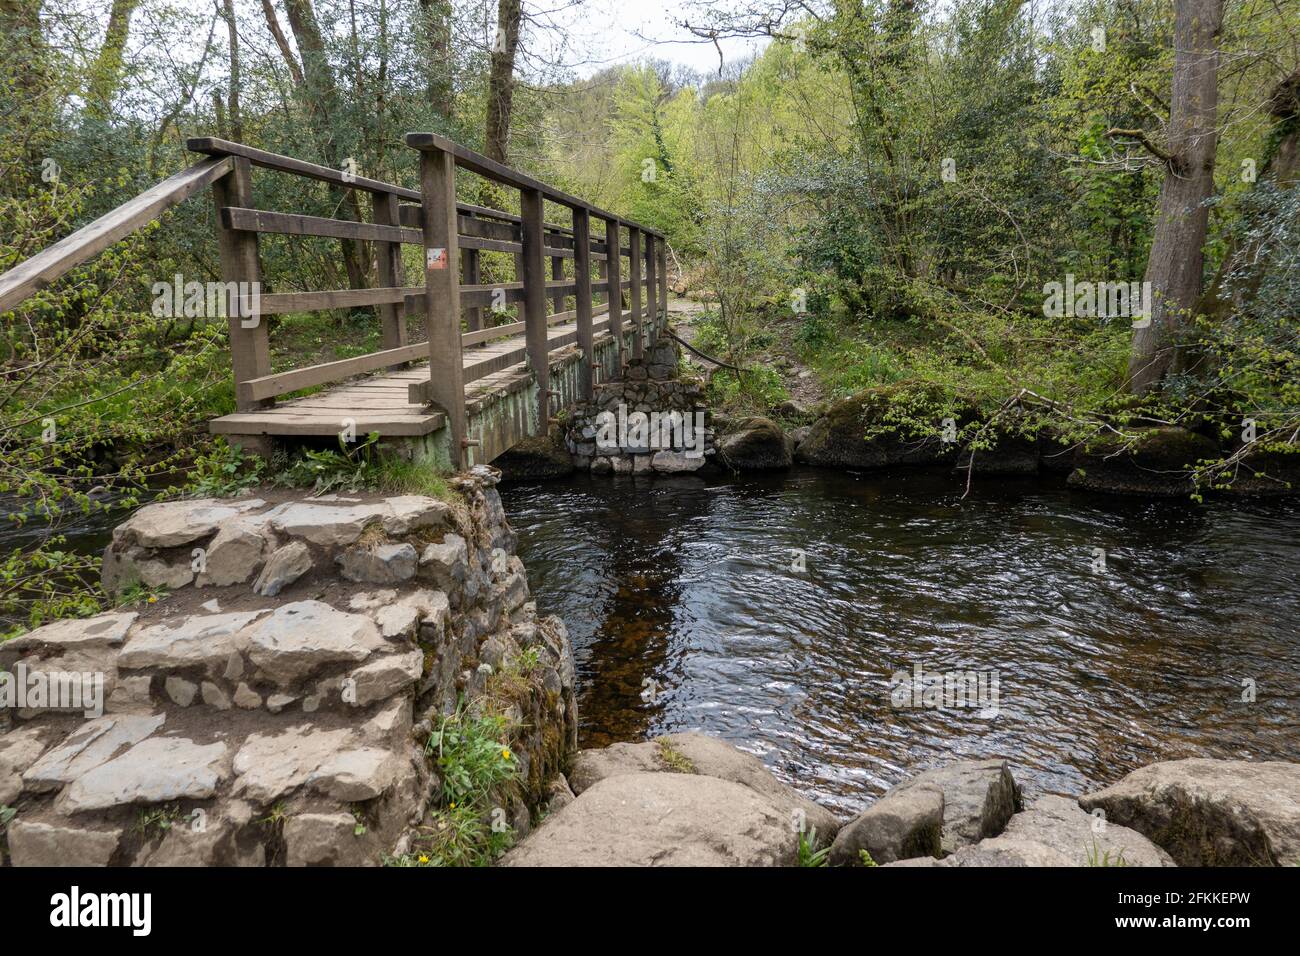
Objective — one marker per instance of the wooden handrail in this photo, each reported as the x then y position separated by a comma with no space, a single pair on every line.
50,264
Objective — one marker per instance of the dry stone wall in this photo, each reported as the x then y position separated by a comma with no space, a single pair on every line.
274,707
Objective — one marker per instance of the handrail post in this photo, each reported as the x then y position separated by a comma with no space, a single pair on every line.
634,268
662,247
442,294
614,282
388,256
534,278
473,275
651,288
582,296
250,349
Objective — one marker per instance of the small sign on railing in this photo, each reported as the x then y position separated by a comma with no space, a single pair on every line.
435,259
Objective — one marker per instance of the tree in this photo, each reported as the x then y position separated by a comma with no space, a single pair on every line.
107,69
1174,268
435,27
501,80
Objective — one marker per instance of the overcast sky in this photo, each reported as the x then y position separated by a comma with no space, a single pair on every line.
618,31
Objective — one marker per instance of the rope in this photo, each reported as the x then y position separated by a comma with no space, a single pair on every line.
707,358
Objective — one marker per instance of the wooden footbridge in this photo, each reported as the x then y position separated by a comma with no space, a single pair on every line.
470,390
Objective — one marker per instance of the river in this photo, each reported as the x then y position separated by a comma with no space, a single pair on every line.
688,610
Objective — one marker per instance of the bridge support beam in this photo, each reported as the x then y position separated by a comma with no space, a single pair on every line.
534,279
442,294
250,348
662,247
651,290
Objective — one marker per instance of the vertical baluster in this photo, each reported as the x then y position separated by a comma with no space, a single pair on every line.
634,270
534,279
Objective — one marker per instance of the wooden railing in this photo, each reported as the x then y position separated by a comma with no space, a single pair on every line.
453,235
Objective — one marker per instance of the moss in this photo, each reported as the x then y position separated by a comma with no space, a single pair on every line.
673,759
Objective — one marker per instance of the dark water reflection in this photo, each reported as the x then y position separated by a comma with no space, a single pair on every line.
685,587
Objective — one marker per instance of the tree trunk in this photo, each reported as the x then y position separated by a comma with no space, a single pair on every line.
322,94
501,80
1174,268
236,118
107,69
277,34
436,29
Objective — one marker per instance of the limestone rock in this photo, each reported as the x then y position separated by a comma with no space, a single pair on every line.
676,462
898,826
102,630
169,524
181,691
380,564
156,770
32,843
979,797
446,564
706,756
89,746
1059,823
296,639
838,439
19,749
1211,812
326,524
389,675
662,819
234,554
270,765
324,839
757,444
286,565
205,640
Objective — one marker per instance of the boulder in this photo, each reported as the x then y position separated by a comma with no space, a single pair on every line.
1010,455
1271,473
979,797
389,675
705,756
755,444
324,839
325,523
1158,462
1059,822
838,439
676,462
286,565
445,563
662,819
900,825
19,749
1211,812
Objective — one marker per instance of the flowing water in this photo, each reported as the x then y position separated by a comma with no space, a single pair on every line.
688,611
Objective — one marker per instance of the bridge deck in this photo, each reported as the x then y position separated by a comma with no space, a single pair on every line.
380,403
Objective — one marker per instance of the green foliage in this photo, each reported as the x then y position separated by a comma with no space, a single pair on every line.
471,757
809,855
1099,857
864,859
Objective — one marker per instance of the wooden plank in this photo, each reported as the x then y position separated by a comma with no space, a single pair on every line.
48,265
662,247
250,350
651,286
287,164
442,292
280,383
499,172
282,302
391,273
471,272
531,203
295,224
582,297
273,423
